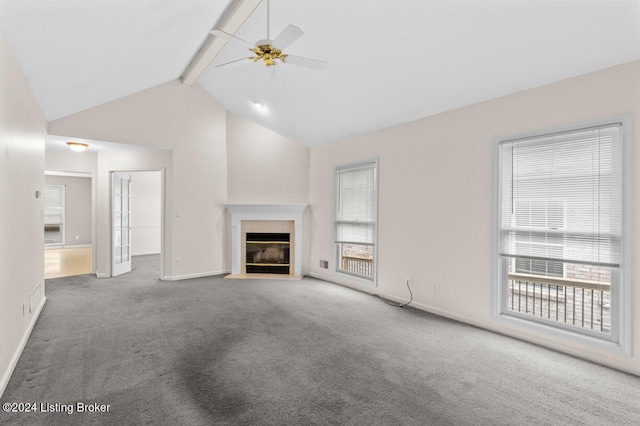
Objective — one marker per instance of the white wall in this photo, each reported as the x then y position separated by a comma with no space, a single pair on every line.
436,198
146,191
263,166
72,162
189,122
22,136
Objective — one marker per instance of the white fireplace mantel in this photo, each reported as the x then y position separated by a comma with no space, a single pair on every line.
240,212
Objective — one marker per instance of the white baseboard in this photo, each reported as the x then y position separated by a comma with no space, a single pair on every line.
144,253
436,311
369,289
18,353
102,275
197,275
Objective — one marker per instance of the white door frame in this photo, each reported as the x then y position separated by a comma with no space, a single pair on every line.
89,175
163,216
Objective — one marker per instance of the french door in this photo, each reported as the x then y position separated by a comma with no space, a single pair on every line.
121,223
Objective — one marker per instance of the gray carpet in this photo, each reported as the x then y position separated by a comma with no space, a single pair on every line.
212,351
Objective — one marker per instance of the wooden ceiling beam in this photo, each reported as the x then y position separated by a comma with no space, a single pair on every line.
234,16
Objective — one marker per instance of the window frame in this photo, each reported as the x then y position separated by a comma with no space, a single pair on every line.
358,278
620,293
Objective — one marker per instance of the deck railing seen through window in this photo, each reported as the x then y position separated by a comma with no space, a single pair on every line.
582,304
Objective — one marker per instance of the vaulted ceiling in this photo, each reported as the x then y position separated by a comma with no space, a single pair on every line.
389,61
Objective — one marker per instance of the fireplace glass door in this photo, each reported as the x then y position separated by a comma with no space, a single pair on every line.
268,253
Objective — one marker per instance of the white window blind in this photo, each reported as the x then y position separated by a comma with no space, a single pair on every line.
54,214
561,196
356,204
548,213
54,204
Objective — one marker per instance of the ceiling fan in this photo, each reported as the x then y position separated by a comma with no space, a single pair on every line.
270,51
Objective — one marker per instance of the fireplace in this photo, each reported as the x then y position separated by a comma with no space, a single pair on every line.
268,253
271,219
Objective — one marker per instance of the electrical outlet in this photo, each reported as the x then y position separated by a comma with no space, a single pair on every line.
177,261
324,264
77,237
435,287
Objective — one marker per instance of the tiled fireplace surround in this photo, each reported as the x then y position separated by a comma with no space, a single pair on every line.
281,218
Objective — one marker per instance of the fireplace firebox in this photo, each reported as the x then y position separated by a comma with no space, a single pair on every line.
268,253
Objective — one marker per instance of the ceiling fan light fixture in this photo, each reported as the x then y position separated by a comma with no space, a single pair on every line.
77,146
270,52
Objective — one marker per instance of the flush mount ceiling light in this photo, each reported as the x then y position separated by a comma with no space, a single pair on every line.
77,146
259,106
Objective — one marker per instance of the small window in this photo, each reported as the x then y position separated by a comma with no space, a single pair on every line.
355,218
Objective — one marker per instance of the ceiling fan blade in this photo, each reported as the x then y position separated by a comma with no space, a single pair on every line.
306,62
229,37
233,64
287,36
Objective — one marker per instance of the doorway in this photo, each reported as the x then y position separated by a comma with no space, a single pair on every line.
68,224
136,219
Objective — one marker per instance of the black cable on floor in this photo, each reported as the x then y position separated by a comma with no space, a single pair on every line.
398,305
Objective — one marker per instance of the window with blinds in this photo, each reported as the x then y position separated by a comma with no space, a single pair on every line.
355,218
54,214
560,227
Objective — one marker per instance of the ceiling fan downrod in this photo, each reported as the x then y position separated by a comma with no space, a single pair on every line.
268,13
